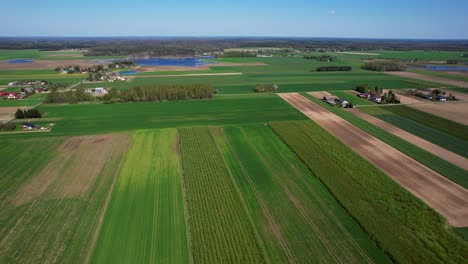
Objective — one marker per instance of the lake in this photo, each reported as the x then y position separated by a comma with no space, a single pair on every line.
129,72
18,61
181,62
446,68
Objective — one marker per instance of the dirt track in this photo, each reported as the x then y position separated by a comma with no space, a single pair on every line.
428,78
426,145
446,197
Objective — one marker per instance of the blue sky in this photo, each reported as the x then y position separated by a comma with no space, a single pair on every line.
414,19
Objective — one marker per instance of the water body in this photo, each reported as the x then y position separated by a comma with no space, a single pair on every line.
19,61
181,62
446,68
129,72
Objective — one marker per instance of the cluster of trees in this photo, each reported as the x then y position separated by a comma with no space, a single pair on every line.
381,66
7,126
239,54
120,64
387,98
266,88
465,55
27,113
390,98
334,68
366,88
70,97
319,58
452,62
69,69
159,93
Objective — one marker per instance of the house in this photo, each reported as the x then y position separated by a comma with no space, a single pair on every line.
377,99
12,95
13,84
342,102
364,96
29,125
3,94
441,98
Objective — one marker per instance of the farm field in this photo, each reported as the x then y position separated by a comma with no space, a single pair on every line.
417,128
421,55
50,209
223,110
431,79
428,146
47,55
297,217
455,112
439,123
448,75
436,163
220,229
448,198
145,222
403,225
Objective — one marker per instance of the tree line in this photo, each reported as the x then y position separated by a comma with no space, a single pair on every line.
319,58
68,97
334,68
381,66
27,113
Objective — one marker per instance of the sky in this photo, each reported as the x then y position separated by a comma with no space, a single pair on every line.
410,19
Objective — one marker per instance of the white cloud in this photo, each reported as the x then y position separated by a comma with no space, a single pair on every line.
332,12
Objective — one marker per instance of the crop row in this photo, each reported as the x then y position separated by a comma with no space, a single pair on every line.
220,229
297,217
402,224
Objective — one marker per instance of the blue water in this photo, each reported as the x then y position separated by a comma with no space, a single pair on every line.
446,68
187,62
128,72
18,61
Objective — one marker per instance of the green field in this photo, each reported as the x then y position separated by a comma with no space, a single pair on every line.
403,225
418,128
145,221
48,55
220,228
436,122
422,55
298,218
223,110
50,203
442,75
430,160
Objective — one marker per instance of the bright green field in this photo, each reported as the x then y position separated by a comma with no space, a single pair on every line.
223,110
295,214
402,224
421,55
430,160
220,228
47,55
145,221
418,128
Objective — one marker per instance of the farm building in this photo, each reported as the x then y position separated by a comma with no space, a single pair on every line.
342,102
376,98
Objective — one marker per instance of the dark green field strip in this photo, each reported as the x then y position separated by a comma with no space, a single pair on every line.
403,225
439,123
226,110
145,221
462,232
299,219
443,75
430,160
220,229
435,136
50,209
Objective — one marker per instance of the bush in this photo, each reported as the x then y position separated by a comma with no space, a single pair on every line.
319,58
334,68
383,66
8,126
31,113
266,88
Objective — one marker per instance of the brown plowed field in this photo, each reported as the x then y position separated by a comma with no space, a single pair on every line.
428,78
426,145
443,195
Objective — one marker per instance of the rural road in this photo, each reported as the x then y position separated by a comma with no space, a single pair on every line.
428,78
438,192
426,145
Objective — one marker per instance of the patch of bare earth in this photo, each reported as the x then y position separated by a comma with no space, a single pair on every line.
426,145
457,111
438,192
72,172
8,113
428,78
